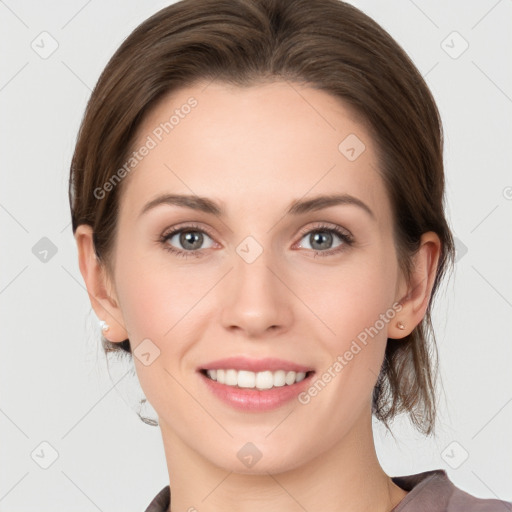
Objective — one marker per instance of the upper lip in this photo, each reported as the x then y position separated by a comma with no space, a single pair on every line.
255,365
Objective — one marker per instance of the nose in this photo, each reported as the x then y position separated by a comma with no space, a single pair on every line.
256,300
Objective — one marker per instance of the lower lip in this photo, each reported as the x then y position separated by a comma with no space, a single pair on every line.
247,399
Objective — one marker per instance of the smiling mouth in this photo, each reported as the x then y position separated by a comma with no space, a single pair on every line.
255,380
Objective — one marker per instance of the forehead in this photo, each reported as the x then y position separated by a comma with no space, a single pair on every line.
244,147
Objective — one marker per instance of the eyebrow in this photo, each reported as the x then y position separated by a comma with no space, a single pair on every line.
297,207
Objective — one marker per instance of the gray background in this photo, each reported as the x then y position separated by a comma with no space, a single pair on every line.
53,378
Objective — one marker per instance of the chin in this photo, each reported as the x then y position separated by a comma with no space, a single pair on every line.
259,458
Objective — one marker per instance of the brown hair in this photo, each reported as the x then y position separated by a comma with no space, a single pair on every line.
326,44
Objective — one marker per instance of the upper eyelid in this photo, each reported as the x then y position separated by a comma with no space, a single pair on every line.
325,225
189,227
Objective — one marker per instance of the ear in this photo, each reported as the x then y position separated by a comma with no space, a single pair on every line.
414,296
99,287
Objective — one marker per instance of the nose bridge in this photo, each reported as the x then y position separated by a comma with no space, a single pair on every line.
256,299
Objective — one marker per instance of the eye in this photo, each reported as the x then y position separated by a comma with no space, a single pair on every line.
320,240
189,239
186,241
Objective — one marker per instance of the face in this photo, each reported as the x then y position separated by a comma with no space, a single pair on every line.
309,290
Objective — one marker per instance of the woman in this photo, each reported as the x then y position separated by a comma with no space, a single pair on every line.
257,200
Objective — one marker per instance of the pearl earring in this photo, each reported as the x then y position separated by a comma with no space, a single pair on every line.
104,326
400,325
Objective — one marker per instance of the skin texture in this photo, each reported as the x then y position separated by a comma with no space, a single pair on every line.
255,150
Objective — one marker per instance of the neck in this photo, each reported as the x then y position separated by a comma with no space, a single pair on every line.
347,477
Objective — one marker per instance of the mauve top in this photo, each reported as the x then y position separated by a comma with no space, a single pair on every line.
430,491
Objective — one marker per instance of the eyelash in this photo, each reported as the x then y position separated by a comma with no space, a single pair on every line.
345,237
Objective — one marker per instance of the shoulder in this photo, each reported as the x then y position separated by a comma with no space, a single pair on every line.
430,491
161,501
435,492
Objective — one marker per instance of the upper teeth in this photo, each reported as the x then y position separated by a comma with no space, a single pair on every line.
259,380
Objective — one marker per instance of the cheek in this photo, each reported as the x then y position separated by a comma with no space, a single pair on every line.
157,305
356,304
167,304
154,296
358,293
357,308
